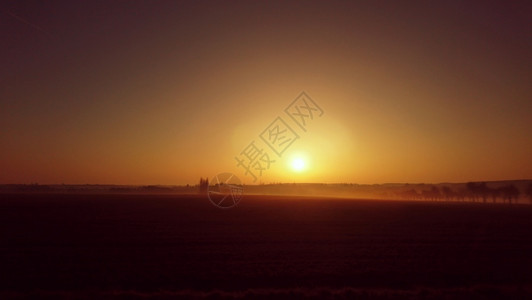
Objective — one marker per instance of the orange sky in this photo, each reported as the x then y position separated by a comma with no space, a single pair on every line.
144,93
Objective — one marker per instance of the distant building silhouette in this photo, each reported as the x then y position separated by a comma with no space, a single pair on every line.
203,185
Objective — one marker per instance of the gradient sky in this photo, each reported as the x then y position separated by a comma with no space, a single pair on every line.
163,92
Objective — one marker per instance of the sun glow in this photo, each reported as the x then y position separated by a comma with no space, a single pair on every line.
298,164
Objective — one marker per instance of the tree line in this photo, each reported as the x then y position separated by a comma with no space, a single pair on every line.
473,192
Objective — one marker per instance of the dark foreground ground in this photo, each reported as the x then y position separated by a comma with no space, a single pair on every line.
167,246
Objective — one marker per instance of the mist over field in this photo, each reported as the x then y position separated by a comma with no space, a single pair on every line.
508,191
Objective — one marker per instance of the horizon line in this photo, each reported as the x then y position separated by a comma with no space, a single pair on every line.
260,184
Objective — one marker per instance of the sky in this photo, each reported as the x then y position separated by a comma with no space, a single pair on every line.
166,92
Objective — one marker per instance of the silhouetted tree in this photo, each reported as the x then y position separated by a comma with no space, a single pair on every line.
477,190
203,185
436,194
528,192
462,194
410,194
494,194
432,194
447,193
509,192
484,191
471,191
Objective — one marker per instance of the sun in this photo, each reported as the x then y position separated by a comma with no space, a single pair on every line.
298,164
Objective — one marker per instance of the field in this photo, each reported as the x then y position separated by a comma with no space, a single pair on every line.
163,246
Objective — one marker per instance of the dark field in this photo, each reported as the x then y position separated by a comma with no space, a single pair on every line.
128,246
